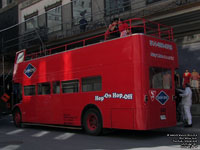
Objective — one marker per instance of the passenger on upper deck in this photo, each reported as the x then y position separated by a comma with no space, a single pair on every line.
123,28
113,29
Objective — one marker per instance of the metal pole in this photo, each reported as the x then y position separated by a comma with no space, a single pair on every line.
43,46
3,74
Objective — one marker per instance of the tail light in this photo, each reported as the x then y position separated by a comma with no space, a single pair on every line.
146,98
174,97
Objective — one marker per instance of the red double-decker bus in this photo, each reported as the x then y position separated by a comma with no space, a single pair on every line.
121,83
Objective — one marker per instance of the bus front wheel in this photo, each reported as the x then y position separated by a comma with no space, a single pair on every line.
92,122
17,118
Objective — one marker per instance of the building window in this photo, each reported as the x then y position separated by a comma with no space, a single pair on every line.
54,19
31,21
152,1
117,6
160,78
0,3
44,88
29,90
91,84
82,9
70,86
56,87
9,1
31,24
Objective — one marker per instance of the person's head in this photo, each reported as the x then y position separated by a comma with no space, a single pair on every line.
194,70
186,70
115,20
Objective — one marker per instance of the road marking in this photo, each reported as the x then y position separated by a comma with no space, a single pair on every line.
64,136
174,147
15,132
42,133
10,147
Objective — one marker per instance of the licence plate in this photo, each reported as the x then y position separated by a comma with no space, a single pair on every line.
162,117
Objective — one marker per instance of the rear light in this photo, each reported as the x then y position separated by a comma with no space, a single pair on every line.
145,98
174,97
163,111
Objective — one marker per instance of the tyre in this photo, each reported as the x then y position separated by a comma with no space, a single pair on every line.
92,122
17,118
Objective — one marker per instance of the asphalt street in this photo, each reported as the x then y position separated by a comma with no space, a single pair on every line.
49,138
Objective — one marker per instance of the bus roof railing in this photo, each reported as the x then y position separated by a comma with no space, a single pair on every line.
136,25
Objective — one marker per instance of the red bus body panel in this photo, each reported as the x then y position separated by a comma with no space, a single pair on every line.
123,64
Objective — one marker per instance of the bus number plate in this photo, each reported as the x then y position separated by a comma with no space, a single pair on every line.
162,117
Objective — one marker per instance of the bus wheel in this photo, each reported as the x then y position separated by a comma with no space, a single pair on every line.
17,118
92,122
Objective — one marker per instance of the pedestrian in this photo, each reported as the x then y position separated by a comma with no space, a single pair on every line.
179,112
187,103
186,78
177,80
83,23
195,86
195,79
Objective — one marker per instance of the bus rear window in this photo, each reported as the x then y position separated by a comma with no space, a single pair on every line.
91,84
44,88
29,90
160,78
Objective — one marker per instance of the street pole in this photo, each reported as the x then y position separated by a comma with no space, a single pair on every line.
3,74
3,69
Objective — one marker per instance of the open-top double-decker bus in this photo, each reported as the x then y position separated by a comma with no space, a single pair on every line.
121,83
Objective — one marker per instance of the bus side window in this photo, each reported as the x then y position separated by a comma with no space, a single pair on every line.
70,86
29,90
17,93
91,84
44,88
56,87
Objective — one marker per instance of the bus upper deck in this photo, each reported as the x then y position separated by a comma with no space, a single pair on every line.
135,25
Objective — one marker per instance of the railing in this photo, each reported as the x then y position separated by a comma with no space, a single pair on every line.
135,25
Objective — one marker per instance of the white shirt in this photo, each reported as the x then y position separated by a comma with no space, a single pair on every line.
186,96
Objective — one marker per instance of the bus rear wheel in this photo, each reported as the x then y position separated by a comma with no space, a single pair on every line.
92,122
17,118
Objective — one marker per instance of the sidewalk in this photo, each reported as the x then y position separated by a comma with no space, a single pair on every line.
195,110
195,125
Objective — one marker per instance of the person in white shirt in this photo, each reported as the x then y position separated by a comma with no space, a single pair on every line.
187,103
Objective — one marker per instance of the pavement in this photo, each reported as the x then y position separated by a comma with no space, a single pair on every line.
195,109
195,125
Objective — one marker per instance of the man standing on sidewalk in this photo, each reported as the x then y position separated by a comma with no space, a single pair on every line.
187,103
